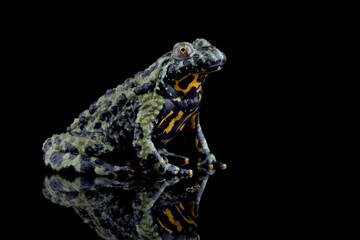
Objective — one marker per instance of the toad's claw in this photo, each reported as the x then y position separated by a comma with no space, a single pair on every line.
219,165
186,172
210,163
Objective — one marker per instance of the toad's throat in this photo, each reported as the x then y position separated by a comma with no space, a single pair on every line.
186,83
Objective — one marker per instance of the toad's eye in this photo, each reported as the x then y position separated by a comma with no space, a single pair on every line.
182,51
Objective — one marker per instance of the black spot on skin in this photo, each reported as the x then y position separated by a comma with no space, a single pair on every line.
121,100
137,148
138,132
137,201
129,115
115,129
86,183
127,80
109,92
128,104
57,140
56,185
71,195
82,122
114,110
93,108
106,141
131,84
105,223
73,133
47,145
199,44
91,195
145,88
197,59
98,147
97,125
109,103
85,165
136,106
98,213
89,151
56,158
72,157
105,116
71,148
93,151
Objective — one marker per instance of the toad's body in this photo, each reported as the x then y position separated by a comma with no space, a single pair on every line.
144,113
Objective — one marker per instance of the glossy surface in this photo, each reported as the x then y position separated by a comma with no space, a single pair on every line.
136,208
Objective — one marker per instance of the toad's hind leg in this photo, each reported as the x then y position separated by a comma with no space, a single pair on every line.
60,154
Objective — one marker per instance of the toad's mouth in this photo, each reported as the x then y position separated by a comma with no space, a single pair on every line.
217,65
213,68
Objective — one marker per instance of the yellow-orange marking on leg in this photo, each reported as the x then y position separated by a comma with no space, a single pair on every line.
167,212
165,118
188,220
193,122
171,124
165,141
184,121
163,226
197,145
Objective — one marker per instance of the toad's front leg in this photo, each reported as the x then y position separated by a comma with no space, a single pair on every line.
207,158
145,150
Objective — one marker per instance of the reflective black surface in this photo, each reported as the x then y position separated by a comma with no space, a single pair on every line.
136,208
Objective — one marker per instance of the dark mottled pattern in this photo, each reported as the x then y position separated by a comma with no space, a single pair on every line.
71,148
144,113
57,140
56,158
86,166
146,88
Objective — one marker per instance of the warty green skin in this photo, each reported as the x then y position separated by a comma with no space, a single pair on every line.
136,115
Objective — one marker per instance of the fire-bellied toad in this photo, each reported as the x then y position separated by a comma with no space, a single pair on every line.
144,114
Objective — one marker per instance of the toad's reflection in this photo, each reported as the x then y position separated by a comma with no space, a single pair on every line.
138,208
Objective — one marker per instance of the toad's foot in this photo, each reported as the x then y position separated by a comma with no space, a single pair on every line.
181,173
208,162
175,159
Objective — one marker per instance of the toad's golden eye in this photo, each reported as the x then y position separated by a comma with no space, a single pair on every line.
182,51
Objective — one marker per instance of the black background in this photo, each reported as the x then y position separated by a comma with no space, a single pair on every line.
62,60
